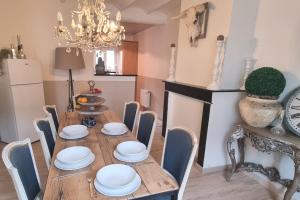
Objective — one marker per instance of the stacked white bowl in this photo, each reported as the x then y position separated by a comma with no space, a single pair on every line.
114,128
74,132
74,158
117,180
131,151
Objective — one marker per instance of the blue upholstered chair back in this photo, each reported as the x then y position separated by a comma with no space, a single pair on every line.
146,126
44,126
130,114
178,149
21,159
52,111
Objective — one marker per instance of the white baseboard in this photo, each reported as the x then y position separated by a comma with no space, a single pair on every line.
211,169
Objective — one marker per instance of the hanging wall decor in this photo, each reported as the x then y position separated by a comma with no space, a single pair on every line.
196,19
218,64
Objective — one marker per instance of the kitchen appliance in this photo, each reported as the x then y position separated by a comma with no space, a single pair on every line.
21,100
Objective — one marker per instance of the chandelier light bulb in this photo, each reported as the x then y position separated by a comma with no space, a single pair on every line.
59,17
91,27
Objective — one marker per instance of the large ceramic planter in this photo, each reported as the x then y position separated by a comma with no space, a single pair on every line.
259,112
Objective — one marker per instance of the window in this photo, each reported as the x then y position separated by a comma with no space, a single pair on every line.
110,58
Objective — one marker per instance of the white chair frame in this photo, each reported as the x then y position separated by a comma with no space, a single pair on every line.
136,113
191,159
43,140
49,116
14,172
153,128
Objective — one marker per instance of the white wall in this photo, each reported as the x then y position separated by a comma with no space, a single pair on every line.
154,59
154,49
240,42
34,20
195,65
278,45
277,32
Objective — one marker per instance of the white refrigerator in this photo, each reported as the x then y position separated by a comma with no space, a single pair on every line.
21,99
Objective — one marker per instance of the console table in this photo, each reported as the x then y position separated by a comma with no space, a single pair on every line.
263,140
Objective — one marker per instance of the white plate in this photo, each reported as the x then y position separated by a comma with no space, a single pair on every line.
131,149
116,176
116,133
84,164
64,136
128,159
74,130
119,192
73,155
115,127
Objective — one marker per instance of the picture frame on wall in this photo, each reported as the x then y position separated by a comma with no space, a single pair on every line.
201,21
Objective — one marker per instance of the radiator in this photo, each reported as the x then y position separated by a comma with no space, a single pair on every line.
145,98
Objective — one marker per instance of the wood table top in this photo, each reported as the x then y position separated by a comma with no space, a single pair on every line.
75,185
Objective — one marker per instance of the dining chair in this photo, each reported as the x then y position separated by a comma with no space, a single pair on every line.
131,110
51,112
20,162
146,128
178,156
47,138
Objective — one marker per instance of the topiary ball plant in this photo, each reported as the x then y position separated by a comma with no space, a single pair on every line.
266,83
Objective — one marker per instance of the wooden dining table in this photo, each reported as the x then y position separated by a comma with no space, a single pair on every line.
73,185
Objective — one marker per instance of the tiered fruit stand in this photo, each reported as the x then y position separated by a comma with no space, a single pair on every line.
93,106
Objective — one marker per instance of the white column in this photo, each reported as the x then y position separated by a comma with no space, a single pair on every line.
171,77
218,64
249,63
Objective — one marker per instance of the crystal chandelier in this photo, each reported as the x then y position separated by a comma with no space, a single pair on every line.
92,27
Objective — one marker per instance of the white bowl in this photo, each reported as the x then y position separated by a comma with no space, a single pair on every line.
73,155
134,186
116,176
131,149
74,130
115,127
113,133
74,137
128,159
80,165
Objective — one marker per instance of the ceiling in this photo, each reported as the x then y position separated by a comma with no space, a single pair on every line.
138,15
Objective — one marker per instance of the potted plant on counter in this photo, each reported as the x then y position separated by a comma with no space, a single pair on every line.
260,107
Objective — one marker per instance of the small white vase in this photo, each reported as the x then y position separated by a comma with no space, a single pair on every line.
259,112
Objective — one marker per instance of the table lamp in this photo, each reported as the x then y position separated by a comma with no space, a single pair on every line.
69,58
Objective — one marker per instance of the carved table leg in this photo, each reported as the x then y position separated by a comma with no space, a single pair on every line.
292,188
241,146
237,135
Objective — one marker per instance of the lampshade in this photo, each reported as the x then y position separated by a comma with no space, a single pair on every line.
72,60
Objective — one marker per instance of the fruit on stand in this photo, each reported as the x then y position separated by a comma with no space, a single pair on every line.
82,100
97,90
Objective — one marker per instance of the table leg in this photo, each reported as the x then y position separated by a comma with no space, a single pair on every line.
291,189
241,146
238,135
